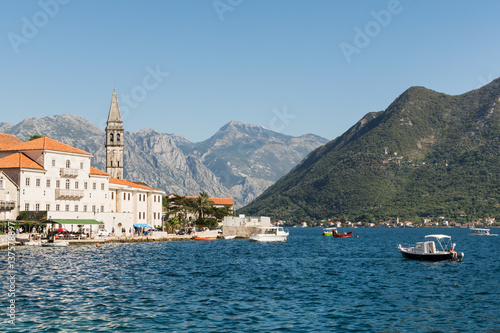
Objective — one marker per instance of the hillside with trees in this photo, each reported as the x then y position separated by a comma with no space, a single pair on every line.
427,155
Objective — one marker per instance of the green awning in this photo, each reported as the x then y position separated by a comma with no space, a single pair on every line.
75,221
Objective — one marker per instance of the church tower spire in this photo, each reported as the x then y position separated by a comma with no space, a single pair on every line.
114,140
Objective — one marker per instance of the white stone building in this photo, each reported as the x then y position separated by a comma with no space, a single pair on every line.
55,179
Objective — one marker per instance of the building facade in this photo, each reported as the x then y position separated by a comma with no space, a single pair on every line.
55,181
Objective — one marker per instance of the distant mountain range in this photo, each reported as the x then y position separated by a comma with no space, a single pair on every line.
428,155
239,161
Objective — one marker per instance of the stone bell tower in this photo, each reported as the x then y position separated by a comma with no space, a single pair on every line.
114,140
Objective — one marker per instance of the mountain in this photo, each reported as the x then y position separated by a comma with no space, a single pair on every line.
427,155
239,161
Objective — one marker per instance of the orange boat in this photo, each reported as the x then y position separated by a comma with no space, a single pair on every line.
205,238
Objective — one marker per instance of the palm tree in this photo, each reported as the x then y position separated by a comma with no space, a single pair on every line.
202,205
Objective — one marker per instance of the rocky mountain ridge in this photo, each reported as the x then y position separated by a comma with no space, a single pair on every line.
239,161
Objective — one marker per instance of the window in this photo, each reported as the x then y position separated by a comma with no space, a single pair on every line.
112,195
85,185
111,137
57,207
94,186
84,208
37,207
68,164
129,196
76,185
154,215
27,182
76,208
58,183
53,163
37,182
93,209
47,207
139,215
111,163
118,137
47,183
1,184
26,206
124,196
67,208
81,165
67,184
102,209
102,186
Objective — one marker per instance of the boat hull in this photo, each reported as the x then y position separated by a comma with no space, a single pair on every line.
343,234
204,238
59,244
430,256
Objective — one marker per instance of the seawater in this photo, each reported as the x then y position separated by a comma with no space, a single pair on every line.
310,283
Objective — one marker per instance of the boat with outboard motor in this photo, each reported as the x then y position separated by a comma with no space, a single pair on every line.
434,248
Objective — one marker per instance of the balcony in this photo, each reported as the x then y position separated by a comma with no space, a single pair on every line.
7,205
69,194
67,172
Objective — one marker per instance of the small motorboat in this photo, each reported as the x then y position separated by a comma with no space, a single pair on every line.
55,244
480,231
205,238
229,237
434,248
328,231
269,234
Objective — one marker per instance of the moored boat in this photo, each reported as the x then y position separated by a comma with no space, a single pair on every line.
329,231
434,248
205,238
342,234
480,231
55,244
269,234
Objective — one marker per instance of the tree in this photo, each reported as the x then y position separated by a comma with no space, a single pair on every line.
202,205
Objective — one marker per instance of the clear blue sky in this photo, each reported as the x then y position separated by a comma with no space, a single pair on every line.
294,66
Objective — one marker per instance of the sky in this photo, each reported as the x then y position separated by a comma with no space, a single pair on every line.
190,67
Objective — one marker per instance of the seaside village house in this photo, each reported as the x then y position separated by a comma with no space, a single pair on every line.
45,177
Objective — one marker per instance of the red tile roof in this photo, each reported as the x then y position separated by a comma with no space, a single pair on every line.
94,171
216,201
7,141
45,143
18,160
128,183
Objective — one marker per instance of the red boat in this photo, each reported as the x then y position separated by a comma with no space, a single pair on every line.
342,234
205,238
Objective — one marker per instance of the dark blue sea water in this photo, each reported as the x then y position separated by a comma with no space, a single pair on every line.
309,284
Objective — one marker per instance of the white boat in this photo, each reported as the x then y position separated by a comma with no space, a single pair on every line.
229,237
435,248
269,234
55,244
33,243
481,231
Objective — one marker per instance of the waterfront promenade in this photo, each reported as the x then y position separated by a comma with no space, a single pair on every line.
94,239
